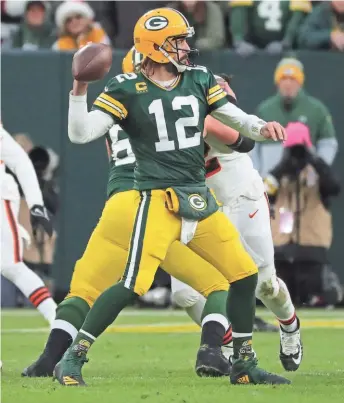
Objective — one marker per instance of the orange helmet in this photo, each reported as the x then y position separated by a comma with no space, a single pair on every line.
155,34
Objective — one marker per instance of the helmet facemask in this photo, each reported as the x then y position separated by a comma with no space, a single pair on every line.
170,47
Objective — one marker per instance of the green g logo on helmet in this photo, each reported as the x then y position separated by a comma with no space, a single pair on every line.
156,23
197,202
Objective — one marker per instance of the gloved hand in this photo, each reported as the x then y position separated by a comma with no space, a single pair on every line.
274,47
244,48
40,218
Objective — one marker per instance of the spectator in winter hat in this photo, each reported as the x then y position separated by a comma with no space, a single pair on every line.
35,31
76,27
292,103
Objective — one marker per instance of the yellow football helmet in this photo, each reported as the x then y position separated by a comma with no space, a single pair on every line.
132,61
155,32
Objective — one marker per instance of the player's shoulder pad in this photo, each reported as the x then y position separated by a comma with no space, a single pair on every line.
199,74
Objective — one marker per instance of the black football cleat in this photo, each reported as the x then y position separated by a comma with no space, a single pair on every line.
41,368
211,362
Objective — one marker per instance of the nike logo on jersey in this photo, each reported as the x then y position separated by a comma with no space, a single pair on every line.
253,214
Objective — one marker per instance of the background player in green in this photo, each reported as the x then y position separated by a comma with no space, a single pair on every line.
169,148
272,25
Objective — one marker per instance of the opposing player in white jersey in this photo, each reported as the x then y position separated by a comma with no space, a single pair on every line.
240,189
13,235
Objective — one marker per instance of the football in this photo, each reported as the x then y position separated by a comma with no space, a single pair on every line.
92,62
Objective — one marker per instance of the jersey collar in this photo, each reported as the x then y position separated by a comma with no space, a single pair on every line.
160,86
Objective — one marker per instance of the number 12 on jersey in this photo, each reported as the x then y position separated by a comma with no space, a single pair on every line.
165,144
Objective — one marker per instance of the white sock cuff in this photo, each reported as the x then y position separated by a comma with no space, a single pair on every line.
216,317
66,326
237,335
87,334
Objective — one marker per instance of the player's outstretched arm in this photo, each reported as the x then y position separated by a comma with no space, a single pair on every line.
16,159
84,126
249,125
225,138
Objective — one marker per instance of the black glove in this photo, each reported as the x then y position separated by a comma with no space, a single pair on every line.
40,218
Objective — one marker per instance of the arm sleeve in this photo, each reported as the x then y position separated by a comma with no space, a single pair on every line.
84,126
239,19
238,143
326,142
327,149
107,110
247,125
223,110
16,159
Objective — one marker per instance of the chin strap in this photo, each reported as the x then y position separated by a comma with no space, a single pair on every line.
180,67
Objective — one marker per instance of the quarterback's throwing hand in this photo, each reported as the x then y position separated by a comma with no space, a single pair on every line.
273,131
40,218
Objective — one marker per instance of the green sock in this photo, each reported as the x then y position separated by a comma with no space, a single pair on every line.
104,311
216,304
241,307
214,319
73,310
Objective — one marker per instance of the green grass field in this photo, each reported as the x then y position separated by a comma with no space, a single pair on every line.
150,355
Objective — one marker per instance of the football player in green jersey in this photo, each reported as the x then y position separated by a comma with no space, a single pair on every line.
94,272
162,109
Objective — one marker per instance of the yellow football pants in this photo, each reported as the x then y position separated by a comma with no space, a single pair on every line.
106,255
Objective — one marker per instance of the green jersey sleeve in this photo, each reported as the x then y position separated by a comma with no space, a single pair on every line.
216,96
112,101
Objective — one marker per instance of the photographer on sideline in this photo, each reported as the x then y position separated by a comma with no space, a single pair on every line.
299,189
40,255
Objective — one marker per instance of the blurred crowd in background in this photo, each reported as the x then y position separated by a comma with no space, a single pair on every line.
244,25
300,181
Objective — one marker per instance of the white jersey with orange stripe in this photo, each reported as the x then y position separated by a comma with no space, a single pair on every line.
15,158
231,174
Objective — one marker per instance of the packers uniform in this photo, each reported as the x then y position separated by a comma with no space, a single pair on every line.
165,131
164,122
265,21
96,271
